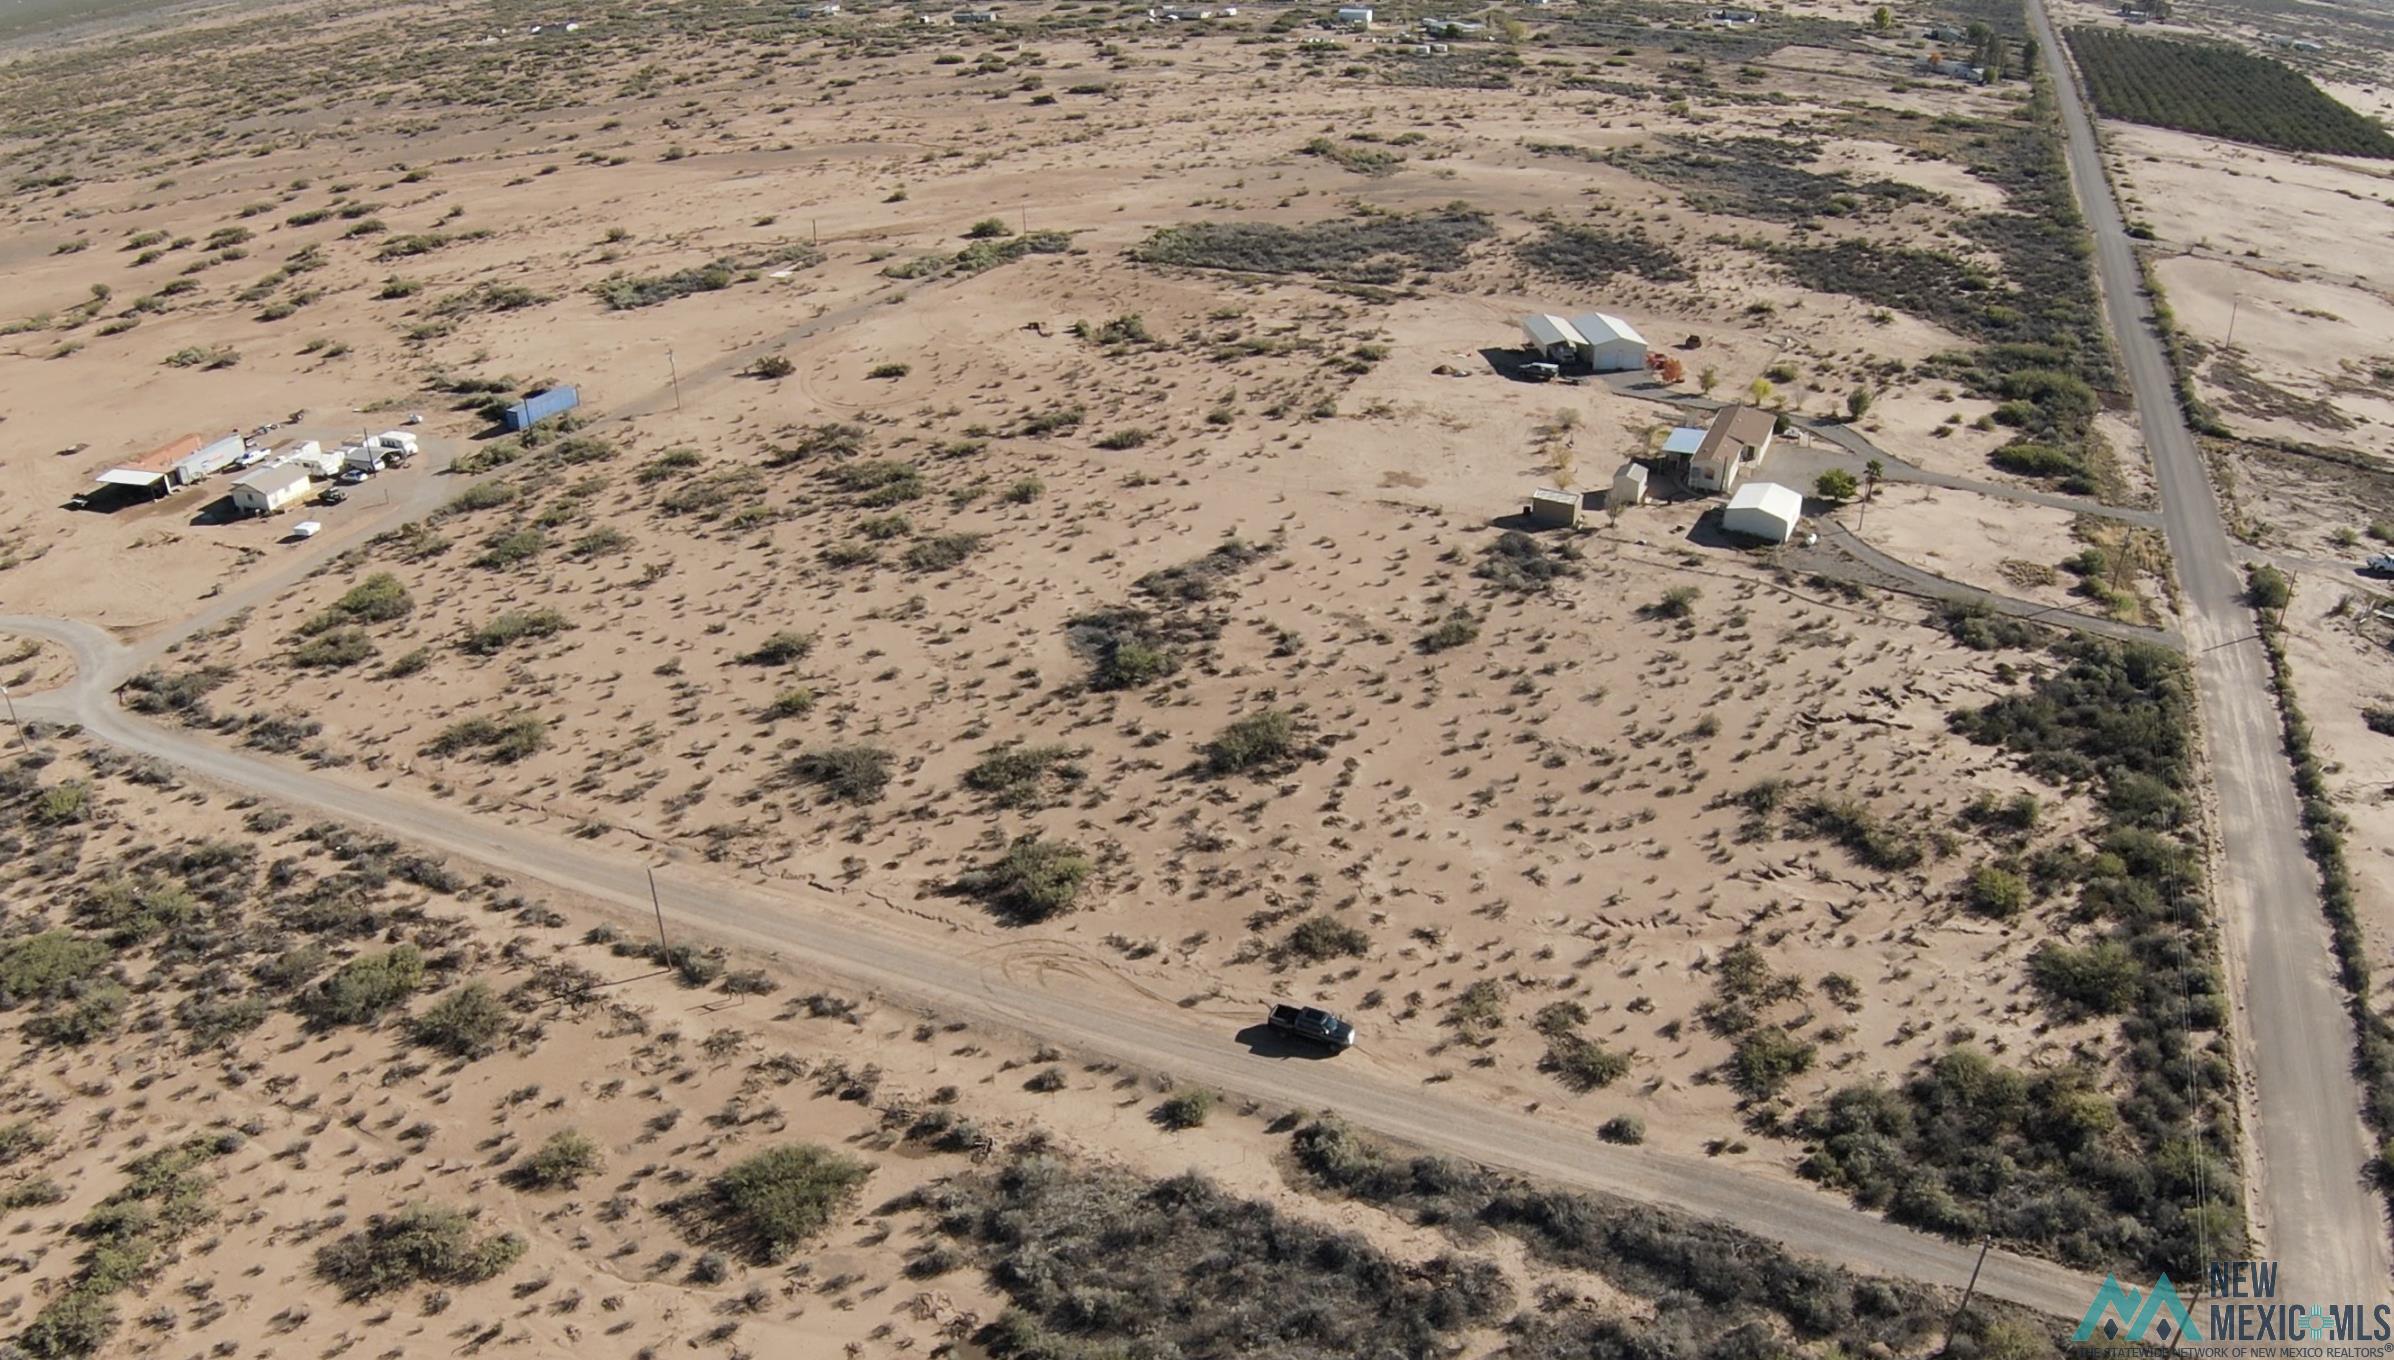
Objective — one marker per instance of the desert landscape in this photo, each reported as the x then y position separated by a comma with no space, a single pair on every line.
1051,488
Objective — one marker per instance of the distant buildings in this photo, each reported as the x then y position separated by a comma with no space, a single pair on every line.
1937,63
1355,16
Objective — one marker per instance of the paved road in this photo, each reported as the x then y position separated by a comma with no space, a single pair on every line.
1084,1008
2321,1219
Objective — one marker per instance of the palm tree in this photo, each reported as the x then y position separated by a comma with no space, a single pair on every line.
1872,472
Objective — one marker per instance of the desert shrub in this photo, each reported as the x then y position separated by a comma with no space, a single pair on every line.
512,627
559,1163
502,741
1258,743
624,292
942,551
1679,602
64,803
1582,1063
22,1138
1026,776
1766,1059
851,774
796,702
380,598
511,548
468,1022
1589,255
2266,587
1323,936
2100,979
416,1244
1374,250
1525,566
785,648
772,366
600,542
1996,891
1861,832
1034,880
182,692
129,911
211,1021
775,1201
333,650
1129,437
879,482
1625,1129
1185,1109
47,966
361,990
1480,1006
1456,630
693,966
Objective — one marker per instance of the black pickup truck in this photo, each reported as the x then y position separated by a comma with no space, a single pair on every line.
1308,1022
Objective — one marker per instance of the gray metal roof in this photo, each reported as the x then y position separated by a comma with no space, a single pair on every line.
1545,329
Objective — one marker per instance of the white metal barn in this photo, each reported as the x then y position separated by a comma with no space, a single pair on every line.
1764,510
1557,341
1608,344
271,488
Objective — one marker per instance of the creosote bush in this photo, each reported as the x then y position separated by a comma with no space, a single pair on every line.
1034,880
416,1244
775,1201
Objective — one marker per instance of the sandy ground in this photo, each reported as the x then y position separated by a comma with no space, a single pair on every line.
2278,248
1548,807
2001,546
672,1084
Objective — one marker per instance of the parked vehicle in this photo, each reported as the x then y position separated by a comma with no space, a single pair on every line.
332,496
353,476
2381,565
1541,372
1312,1022
306,528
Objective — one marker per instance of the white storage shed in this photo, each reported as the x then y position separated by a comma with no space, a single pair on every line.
1628,488
1764,510
1608,344
1555,340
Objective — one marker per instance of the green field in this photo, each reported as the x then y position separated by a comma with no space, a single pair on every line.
2219,92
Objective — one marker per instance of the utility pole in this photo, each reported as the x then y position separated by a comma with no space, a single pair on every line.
1972,1288
2235,301
12,719
676,370
659,905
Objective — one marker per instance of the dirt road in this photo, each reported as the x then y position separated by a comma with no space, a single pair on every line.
807,927
2318,1215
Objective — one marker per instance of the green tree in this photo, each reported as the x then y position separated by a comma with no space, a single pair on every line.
1857,403
1836,484
1758,391
1882,19
1708,379
1873,472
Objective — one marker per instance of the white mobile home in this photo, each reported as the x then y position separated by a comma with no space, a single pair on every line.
1355,16
269,489
1608,344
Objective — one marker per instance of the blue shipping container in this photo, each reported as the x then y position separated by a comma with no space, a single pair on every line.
534,409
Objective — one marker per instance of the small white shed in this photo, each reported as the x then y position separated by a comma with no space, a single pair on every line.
1554,509
1764,510
1355,16
1628,489
1608,344
270,488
